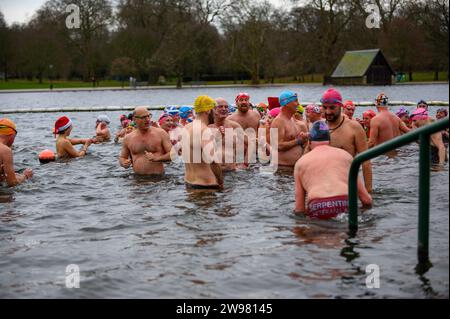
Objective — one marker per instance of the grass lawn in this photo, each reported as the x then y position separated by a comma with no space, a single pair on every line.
316,78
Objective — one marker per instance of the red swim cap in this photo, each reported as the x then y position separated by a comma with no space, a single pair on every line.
62,124
47,156
242,96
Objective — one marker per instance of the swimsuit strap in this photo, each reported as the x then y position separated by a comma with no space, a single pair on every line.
334,129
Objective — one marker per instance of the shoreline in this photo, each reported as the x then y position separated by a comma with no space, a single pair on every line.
171,87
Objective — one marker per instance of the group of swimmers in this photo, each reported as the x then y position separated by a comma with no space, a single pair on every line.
317,142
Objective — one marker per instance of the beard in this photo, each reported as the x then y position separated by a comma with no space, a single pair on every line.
333,117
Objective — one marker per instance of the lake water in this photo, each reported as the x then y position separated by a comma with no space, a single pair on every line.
147,238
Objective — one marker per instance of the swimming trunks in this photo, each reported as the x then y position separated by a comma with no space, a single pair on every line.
326,208
193,186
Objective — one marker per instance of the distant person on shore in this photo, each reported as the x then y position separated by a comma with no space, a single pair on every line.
201,174
386,125
64,144
345,134
322,176
8,132
102,131
147,147
420,118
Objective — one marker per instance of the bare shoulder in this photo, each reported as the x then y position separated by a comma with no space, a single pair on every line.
5,151
233,124
255,115
233,117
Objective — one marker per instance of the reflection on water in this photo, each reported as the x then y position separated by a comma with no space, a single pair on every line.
134,236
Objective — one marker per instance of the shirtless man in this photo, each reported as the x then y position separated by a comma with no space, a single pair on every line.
64,144
101,129
349,109
199,174
438,152
221,123
345,134
147,146
322,176
8,134
386,125
314,113
246,118
291,141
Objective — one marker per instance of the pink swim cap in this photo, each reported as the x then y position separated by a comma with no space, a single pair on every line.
275,112
332,96
420,114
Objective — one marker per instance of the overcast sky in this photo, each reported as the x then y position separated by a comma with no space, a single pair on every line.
22,10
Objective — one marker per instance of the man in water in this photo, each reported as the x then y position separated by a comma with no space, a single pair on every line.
386,125
291,141
147,147
197,140
64,144
345,134
438,152
367,118
313,113
322,176
403,114
222,124
441,114
247,119
8,134
101,128
349,109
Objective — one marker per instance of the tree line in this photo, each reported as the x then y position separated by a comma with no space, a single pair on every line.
195,40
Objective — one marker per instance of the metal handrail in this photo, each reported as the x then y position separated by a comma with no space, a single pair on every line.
423,135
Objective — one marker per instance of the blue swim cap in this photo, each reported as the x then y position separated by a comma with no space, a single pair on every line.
287,97
231,108
172,110
319,132
185,111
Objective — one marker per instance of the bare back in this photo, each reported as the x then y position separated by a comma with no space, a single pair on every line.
324,172
197,173
384,127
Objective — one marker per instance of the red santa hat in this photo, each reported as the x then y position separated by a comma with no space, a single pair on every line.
62,124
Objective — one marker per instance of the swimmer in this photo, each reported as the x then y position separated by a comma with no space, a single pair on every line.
221,123
174,113
299,114
441,114
313,114
422,104
322,177
262,109
367,118
186,115
403,114
147,147
345,134
291,141
8,132
349,109
438,152
201,175
101,128
64,144
127,128
246,118
386,125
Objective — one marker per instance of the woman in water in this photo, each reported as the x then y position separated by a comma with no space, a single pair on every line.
64,144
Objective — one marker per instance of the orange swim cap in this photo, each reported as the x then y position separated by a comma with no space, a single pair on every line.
47,156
